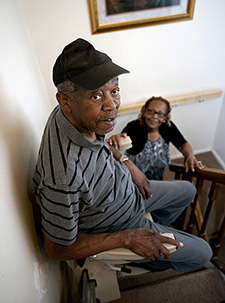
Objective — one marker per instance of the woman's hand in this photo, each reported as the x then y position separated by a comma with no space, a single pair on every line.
191,162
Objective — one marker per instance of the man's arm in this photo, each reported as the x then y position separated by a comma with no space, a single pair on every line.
141,241
137,175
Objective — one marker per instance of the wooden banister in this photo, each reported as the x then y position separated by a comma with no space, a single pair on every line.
211,174
196,218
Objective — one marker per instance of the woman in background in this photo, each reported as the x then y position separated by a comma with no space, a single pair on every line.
151,134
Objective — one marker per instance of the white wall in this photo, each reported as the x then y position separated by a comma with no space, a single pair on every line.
219,141
25,275
168,60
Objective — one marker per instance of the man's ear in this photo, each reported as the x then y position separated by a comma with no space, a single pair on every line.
63,102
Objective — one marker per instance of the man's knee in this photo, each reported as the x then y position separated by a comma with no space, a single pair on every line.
195,253
189,190
201,251
197,249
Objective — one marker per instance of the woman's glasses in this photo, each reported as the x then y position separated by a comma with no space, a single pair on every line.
152,112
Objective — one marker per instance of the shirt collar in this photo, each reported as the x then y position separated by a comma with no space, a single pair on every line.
74,135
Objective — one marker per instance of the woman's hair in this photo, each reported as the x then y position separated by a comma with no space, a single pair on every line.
141,116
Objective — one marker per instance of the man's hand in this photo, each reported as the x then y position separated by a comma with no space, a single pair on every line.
149,245
115,140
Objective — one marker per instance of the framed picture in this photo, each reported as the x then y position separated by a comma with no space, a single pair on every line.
111,15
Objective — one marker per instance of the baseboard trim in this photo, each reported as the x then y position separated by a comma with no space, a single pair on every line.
218,158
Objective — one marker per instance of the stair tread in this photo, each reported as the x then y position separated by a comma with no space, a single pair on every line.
206,285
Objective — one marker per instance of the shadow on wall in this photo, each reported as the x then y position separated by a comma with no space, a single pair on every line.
19,152
16,136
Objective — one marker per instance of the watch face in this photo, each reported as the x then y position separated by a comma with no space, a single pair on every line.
124,158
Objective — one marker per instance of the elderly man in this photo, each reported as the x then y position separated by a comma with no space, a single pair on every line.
92,198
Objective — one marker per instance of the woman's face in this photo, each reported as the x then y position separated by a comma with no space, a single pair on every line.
155,114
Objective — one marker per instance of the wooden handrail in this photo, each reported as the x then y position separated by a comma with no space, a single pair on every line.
216,177
174,101
211,174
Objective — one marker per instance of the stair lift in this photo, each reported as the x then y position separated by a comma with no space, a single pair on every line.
109,266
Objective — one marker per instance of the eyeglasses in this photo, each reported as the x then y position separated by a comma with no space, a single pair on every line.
152,112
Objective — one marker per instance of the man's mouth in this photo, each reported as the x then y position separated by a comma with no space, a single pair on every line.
109,122
109,119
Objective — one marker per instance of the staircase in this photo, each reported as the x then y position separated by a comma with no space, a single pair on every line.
203,286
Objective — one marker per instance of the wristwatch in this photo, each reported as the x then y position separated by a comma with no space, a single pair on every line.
124,158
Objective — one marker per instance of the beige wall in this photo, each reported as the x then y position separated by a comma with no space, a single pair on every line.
168,60
25,275
219,140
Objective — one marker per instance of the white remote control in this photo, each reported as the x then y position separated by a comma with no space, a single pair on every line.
125,143
170,247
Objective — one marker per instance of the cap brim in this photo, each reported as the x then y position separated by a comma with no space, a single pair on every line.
98,76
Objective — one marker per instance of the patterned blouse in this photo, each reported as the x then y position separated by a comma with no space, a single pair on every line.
152,159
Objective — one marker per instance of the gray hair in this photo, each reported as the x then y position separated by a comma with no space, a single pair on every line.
67,88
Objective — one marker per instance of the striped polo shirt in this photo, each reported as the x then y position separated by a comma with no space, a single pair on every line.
80,187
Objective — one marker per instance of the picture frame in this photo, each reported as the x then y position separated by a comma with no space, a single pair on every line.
107,16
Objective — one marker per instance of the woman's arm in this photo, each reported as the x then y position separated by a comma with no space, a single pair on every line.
190,159
173,135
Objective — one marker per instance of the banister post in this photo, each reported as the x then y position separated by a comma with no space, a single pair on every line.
199,185
213,193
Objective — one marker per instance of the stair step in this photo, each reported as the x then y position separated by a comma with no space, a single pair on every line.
203,286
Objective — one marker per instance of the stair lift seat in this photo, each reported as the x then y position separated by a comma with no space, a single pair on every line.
106,267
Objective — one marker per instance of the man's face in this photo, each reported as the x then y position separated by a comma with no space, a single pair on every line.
94,112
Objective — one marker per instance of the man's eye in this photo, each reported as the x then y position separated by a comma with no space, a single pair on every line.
116,92
96,97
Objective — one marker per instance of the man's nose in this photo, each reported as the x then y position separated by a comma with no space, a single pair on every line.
110,103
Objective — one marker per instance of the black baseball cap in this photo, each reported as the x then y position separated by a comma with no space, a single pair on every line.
85,66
